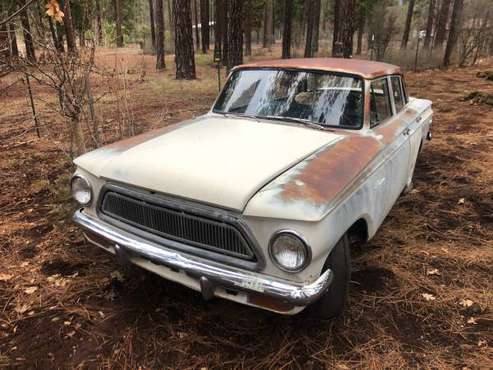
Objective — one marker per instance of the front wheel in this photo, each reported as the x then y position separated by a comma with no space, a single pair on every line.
332,303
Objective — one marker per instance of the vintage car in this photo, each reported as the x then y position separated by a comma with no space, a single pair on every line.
257,200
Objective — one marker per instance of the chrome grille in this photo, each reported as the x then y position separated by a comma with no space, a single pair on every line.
177,225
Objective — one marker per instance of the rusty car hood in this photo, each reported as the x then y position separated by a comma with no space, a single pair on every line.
307,190
213,159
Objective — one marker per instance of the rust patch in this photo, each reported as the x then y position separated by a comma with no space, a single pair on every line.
389,130
364,68
332,170
409,113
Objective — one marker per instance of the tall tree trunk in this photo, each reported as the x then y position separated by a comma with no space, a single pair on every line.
28,40
184,55
160,63
309,29
305,16
429,23
78,137
218,29
273,25
407,28
336,38
60,32
225,33
316,25
235,31
82,29
40,29
248,27
204,25
342,45
14,50
348,29
118,20
286,33
455,25
153,23
361,27
196,21
99,28
268,23
69,27
441,28
264,28
4,44
171,20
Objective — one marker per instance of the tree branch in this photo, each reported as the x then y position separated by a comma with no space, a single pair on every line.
16,12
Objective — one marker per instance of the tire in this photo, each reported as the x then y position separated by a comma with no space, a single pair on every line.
332,303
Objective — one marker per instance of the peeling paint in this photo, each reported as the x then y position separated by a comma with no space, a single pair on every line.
331,170
362,68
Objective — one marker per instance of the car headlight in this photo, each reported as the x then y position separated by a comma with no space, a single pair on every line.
289,251
81,190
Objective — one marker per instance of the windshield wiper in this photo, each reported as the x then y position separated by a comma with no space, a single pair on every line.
306,122
234,114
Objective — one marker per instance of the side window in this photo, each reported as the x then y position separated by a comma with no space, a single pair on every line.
397,92
379,101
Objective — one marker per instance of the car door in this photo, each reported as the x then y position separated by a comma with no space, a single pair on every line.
391,175
412,119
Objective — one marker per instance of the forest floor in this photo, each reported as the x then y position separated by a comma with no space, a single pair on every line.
421,294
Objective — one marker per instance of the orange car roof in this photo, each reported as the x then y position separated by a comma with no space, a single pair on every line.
364,68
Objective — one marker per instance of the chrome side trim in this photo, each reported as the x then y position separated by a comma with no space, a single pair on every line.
222,276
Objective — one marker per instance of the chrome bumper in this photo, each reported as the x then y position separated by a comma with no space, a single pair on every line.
210,274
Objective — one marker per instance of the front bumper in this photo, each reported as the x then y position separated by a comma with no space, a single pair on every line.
211,276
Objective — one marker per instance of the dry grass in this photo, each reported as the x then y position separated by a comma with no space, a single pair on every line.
65,304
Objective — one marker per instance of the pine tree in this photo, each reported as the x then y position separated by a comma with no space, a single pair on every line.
14,50
309,29
268,24
407,28
248,27
342,45
99,28
429,23
204,25
235,31
153,23
454,31
160,63
441,28
118,21
184,53
286,33
28,38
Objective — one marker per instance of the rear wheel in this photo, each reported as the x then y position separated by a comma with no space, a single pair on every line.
332,303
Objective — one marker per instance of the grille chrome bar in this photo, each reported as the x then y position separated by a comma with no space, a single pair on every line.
176,224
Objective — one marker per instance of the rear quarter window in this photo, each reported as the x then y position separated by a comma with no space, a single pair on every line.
398,93
380,108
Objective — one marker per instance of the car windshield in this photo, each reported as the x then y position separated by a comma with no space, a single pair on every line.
322,98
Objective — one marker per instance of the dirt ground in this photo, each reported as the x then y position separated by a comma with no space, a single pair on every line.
421,293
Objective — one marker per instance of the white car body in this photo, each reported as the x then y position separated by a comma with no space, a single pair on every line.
269,176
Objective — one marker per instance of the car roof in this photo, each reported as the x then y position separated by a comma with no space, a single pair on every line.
363,68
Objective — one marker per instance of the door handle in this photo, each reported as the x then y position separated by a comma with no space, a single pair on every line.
406,131
419,119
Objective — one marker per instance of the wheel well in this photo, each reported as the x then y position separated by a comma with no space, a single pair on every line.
358,232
